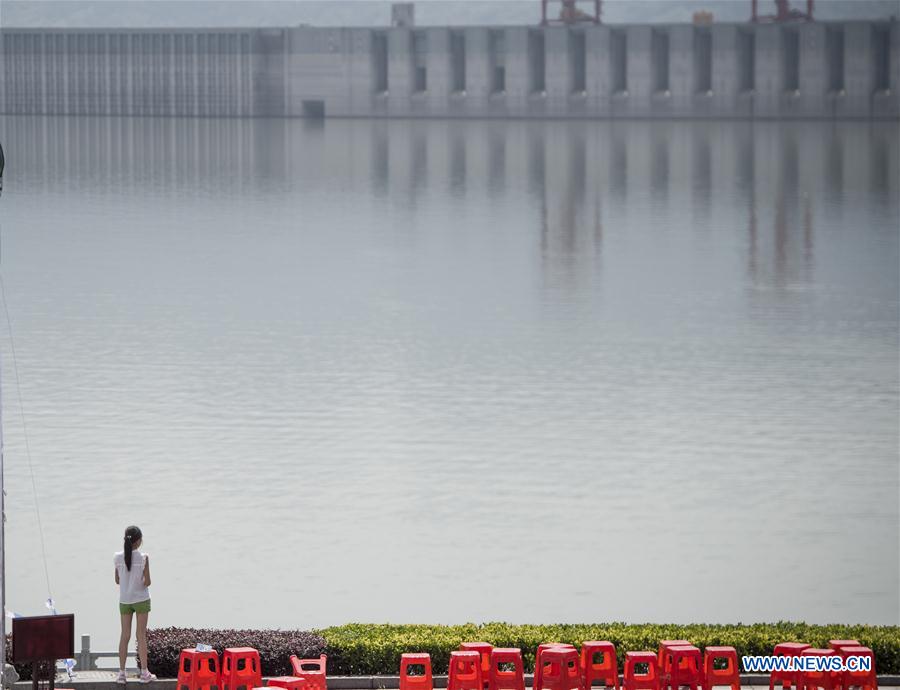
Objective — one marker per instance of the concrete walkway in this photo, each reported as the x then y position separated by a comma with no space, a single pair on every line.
106,680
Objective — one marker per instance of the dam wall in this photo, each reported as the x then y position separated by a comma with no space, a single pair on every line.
829,70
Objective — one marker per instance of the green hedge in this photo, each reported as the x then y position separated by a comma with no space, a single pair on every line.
375,649
275,647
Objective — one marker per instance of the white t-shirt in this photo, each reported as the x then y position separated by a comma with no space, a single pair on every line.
131,582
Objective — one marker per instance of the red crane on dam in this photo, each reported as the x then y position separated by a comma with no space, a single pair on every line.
783,12
570,14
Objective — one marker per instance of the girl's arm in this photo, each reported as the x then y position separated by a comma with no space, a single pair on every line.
146,571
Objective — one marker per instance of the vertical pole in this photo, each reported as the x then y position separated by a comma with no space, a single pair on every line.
2,548
597,10
84,662
753,11
543,12
782,10
809,9
2,509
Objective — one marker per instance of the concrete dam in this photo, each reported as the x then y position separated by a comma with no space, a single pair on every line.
806,69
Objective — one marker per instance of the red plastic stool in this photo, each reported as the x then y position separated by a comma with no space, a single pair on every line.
310,670
465,671
663,660
506,680
240,668
288,682
198,670
641,681
836,645
730,675
484,649
867,680
820,679
787,678
560,669
425,681
606,670
665,644
538,667
686,667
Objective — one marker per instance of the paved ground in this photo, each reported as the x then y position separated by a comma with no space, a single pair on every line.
105,680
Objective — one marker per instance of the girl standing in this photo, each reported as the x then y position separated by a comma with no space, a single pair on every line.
133,578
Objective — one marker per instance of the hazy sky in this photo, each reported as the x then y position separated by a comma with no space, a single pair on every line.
224,13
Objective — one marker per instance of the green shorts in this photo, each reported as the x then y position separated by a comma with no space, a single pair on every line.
139,607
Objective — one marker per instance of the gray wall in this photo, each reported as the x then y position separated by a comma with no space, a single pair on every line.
304,70
134,73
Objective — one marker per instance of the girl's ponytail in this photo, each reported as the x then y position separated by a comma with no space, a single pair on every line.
132,535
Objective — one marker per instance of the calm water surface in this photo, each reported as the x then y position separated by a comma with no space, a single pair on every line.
448,372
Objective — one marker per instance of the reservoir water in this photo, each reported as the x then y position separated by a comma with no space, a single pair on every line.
427,371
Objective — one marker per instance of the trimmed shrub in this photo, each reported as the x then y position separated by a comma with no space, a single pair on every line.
365,649
361,649
275,647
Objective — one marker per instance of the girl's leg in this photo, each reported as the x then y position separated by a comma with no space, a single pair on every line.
142,640
123,640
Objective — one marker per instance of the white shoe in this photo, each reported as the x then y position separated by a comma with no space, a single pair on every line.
146,677
121,678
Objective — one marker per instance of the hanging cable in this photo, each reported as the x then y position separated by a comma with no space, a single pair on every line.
37,508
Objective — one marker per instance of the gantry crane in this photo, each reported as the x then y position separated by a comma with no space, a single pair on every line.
570,14
783,12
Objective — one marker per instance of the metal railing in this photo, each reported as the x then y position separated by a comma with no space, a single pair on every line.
86,659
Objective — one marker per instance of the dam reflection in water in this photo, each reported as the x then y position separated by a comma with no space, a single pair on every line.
664,351
568,171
